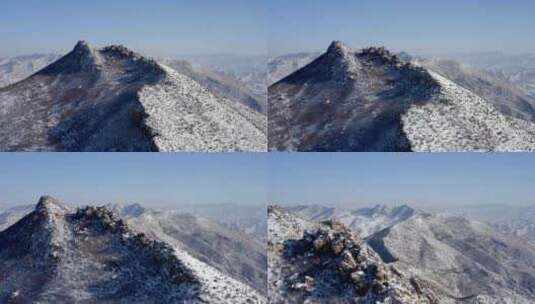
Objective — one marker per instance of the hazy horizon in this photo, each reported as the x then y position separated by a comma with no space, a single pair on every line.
420,180
155,28
154,180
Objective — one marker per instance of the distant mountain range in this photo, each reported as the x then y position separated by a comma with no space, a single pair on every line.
282,66
17,68
512,220
373,100
455,259
507,97
113,99
518,69
248,69
364,221
130,254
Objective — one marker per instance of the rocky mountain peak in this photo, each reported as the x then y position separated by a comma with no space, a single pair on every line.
82,46
338,48
385,210
121,51
82,58
50,206
331,263
99,217
379,54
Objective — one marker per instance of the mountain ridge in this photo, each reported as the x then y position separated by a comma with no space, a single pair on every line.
457,259
89,254
113,99
374,100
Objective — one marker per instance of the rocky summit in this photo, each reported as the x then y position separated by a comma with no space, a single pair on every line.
113,99
374,100
454,258
327,263
57,254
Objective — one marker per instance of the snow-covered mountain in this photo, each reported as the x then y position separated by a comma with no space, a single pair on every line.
249,219
504,95
463,258
364,221
17,68
221,84
327,263
511,220
88,255
112,99
371,100
10,216
230,251
197,231
249,69
281,66
518,69
457,259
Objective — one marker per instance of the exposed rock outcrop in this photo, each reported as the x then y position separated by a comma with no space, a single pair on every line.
327,263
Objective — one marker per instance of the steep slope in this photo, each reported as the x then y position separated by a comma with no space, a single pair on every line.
57,255
326,263
364,221
371,100
282,66
461,259
17,68
230,251
113,99
12,215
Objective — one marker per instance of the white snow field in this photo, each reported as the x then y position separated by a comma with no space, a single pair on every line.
459,120
186,117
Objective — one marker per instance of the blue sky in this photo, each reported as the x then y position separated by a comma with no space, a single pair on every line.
414,25
426,180
168,28
155,27
152,179
169,180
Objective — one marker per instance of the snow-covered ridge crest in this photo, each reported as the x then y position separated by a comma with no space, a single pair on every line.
91,255
184,116
365,221
459,120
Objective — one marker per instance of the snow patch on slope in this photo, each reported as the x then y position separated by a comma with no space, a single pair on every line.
461,121
216,287
185,117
